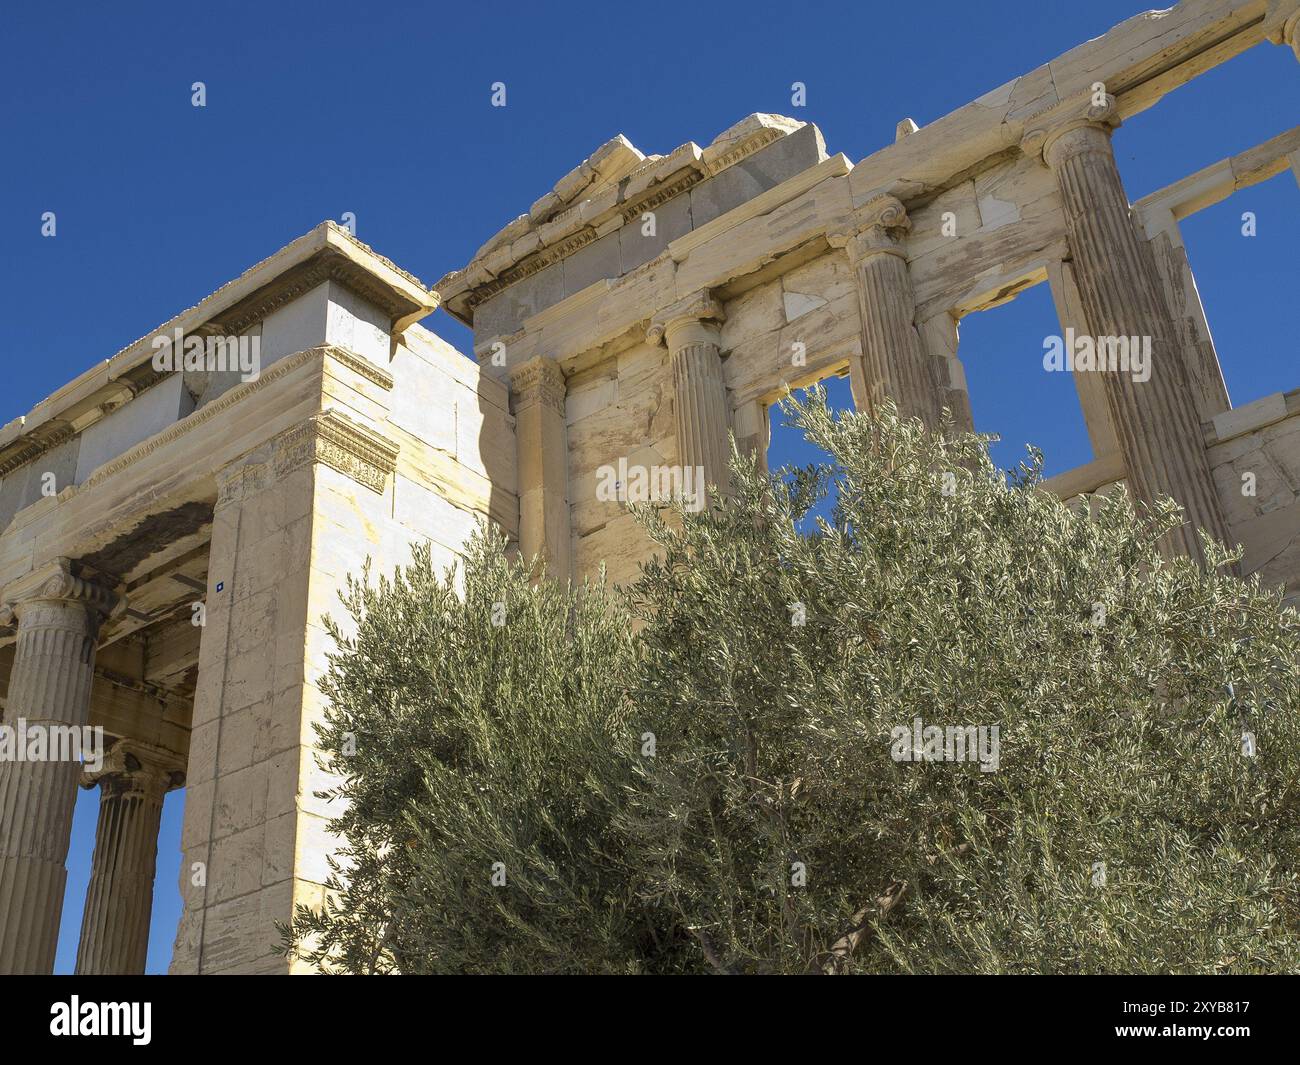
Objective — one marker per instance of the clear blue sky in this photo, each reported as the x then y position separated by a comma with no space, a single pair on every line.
319,108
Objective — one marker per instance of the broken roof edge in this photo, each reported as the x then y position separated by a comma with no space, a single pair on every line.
609,185
1140,59
354,264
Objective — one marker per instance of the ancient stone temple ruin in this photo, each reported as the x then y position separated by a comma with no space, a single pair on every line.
173,529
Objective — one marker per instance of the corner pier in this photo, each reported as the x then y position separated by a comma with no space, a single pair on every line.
166,592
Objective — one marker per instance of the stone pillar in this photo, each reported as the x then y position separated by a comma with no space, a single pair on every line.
1090,386
691,329
1155,420
58,616
293,518
938,335
119,898
537,394
753,429
894,361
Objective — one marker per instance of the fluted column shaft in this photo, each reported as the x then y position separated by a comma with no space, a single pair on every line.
700,400
119,898
49,688
895,363
1155,420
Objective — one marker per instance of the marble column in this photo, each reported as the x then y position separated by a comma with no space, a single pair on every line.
58,616
1155,420
895,363
1089,386
691,331
119,898
537,395
939,341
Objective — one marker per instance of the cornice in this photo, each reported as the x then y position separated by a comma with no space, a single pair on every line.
527,267
327,265
661,194
747,147
327,252
558,227
204,414
50,434
370,371
44,438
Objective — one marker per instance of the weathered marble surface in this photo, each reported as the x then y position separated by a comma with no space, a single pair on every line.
212,519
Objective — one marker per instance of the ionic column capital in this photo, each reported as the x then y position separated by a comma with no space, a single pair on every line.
134,767
693,319
539,380
1080,123
55,583
1282,24
878,227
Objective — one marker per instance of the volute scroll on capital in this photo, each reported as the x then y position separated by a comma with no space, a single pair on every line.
55,582
698,307
1082,111
879,226
131,766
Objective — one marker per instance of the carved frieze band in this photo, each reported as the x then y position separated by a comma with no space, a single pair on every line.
745,149
240,480
661,194
340,443
364,367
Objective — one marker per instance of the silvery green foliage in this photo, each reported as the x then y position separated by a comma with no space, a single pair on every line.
1125,828
490,747
1121,750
